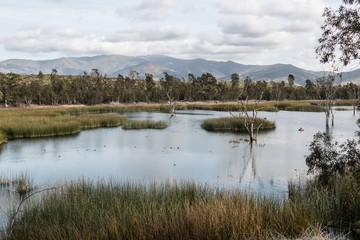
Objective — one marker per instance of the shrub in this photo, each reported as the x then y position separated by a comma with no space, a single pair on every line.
328,158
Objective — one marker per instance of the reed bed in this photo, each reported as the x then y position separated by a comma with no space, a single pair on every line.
112,210
119,109
235,124
30,123
21,183
3,138
144,124
335,206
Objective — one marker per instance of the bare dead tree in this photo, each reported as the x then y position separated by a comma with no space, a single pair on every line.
248,117
326,89
172,102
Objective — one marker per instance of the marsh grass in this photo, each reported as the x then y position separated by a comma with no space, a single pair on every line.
21,183
113,210
144,124
44,122
3,138
119,109
234,124
335,206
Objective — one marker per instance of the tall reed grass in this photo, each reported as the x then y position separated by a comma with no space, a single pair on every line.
335,206
144,124
21,183
235,124
3,138
186,210
112,210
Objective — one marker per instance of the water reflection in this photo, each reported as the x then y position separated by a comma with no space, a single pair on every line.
182,151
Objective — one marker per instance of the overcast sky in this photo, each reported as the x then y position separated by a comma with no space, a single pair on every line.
244,31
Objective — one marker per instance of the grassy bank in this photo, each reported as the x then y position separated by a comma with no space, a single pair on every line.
44,122
234,124
123,210
109,210
144,124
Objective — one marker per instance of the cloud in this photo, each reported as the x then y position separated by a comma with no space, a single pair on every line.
44,39
267,28
148,10
39,38
149,34
246,31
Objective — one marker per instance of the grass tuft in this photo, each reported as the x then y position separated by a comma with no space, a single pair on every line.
144,124
234,124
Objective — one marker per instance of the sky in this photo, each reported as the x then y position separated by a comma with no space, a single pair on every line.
244,31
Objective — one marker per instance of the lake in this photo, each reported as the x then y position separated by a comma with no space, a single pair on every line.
183,151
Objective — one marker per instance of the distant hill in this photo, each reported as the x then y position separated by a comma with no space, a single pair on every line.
112,65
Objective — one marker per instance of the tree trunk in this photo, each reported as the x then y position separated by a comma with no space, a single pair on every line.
354,109
327,113
252,137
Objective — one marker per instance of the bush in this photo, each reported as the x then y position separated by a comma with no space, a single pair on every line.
329,159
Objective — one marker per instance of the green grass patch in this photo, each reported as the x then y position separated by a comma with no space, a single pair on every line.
30,123
234,124
144,124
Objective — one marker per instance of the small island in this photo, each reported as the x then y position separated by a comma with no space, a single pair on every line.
235,124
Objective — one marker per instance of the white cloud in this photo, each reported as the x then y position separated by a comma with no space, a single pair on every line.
43,39
148,10
246,31
149,34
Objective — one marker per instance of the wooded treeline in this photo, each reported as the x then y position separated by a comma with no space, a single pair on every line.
95,88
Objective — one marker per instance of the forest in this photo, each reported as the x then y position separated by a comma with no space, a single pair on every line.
97,88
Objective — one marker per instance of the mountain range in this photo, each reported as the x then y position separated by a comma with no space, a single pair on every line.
112,65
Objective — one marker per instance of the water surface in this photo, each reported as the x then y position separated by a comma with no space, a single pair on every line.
182,151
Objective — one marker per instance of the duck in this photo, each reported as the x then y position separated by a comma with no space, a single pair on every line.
301,129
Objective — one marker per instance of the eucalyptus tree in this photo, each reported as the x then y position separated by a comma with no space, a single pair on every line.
150,86
209,86
291,80
339,44
8,86
235,80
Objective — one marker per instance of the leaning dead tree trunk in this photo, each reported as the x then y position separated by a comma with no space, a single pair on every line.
172,103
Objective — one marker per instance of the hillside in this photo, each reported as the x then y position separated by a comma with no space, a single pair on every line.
112,65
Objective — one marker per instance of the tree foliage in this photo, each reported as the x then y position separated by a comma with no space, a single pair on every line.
340,40
330,159
97,88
